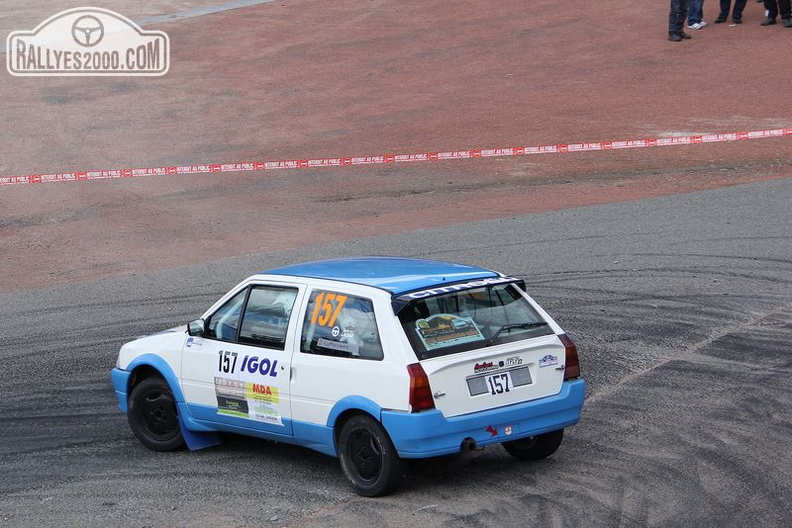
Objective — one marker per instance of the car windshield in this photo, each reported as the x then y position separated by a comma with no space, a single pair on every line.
470,318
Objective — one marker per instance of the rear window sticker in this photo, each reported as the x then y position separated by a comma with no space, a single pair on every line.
444,330
479,283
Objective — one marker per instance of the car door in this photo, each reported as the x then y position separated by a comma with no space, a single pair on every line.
237,373
340,356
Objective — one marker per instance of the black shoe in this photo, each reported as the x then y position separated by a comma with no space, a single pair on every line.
737,20
720,20
768,22
683,35
674,37
787,22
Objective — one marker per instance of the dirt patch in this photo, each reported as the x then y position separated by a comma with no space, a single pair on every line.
310,79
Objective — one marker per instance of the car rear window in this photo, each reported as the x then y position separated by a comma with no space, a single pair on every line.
470,318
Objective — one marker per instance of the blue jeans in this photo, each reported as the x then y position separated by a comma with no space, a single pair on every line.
695,12
677,15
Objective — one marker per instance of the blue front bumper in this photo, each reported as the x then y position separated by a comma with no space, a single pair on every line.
429,433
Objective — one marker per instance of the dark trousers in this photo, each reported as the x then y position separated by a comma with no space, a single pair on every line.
677,15
739,5
783,7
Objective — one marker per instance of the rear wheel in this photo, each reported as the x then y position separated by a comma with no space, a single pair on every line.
535,447
368,457
153,417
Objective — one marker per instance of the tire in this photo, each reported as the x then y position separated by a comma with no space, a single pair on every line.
535,447
153,417
368,457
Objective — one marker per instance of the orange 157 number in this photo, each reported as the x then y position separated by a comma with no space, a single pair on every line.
327,307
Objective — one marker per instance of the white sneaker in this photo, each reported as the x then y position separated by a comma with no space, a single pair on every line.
696,25
703,24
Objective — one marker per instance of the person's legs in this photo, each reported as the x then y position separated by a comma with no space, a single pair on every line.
676,16
724,11
695,12
785,9
739,5
685,5
772,12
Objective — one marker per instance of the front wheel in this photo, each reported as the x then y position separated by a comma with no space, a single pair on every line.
153,417
368,457
535,447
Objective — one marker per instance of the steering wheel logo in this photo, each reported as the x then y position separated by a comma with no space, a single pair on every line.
87,31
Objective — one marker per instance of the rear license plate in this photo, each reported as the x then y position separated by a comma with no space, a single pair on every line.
500,382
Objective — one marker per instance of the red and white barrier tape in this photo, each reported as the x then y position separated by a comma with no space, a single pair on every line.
392,158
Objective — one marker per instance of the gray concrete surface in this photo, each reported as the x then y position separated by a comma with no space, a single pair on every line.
682,310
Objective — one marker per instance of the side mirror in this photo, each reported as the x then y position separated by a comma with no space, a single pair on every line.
196,328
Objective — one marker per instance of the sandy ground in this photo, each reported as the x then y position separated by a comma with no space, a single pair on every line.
308,79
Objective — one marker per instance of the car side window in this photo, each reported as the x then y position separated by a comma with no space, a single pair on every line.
266,317
224,323
340,325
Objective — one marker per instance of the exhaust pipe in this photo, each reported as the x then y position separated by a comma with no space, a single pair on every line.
468,445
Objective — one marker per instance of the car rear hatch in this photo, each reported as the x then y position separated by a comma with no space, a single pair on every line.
482,344
490,377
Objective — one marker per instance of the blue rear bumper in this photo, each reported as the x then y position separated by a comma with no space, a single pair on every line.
429,433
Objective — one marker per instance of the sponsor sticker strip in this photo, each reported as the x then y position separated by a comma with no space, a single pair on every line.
392,158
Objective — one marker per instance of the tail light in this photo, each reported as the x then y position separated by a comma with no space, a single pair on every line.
572,363
420,392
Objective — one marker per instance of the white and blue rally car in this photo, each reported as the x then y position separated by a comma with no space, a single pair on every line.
371,359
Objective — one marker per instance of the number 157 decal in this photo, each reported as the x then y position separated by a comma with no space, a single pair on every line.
327,308
227,361
499,383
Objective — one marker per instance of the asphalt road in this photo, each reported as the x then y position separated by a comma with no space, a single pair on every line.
682,310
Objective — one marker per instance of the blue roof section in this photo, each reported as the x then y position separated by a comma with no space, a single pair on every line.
394,274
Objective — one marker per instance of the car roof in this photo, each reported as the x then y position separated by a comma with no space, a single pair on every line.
396,275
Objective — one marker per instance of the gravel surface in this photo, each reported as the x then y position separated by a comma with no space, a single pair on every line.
681,310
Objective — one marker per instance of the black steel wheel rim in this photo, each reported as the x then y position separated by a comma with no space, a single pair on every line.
159,415
365,455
